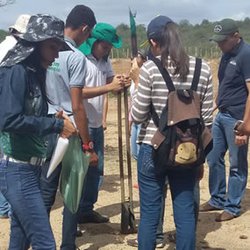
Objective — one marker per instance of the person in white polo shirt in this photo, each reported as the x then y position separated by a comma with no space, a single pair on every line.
14,31
100,80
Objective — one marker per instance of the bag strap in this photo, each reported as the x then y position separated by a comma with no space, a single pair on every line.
197,73
170,85
164,73
168,80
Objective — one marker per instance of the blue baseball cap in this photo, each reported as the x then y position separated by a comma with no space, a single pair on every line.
156,26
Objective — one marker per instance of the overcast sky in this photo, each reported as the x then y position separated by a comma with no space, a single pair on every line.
116,11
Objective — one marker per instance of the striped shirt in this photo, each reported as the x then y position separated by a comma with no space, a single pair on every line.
152,89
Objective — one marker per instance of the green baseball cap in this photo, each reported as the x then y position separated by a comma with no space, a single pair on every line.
102,32
223,29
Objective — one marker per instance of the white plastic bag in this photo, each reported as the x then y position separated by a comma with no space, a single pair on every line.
59,151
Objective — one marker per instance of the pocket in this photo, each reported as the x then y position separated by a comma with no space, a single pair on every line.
145,160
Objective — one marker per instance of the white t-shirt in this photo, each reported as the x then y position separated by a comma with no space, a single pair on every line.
7,44
97,74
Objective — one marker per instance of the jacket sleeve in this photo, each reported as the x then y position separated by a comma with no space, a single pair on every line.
13,89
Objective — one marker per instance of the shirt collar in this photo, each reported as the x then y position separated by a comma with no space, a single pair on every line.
91,57
71,41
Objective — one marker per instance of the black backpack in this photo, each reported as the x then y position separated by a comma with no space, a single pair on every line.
181,140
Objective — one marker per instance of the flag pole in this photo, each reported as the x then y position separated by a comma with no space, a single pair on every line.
133,33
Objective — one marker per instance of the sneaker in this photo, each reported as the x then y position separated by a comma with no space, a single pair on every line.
79,232
160,245
134,243
172,237
93,217
224,216
206,207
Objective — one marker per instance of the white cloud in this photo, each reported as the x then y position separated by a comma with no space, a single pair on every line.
116,12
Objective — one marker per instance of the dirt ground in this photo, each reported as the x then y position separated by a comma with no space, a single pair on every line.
232,235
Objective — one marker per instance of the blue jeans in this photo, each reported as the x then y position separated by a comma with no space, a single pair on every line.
135,130
4,206
182,185
49,188
19,183
94,177
159,231
223,140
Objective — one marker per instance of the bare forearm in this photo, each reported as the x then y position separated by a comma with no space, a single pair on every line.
79,113
81,123
96,91
245,127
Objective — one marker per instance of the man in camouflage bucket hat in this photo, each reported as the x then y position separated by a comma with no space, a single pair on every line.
24,123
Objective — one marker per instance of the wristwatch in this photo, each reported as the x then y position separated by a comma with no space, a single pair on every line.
236,128
89,146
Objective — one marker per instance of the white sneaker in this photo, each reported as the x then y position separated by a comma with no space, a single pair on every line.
160,245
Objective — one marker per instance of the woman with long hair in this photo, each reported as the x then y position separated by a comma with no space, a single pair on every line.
165,41
24,124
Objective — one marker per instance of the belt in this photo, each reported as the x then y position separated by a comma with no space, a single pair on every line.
33,160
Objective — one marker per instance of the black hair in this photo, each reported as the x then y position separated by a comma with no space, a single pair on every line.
80,15
34,61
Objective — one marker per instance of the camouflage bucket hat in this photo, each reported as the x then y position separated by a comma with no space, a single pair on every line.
17,54
40,27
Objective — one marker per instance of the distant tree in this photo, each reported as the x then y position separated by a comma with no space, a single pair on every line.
247,20
3,34
205,22
6,2
185,23
195,37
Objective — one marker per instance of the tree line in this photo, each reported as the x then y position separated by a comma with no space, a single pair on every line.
195,38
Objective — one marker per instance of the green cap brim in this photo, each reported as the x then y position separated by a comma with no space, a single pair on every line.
218,38
86,47
116,44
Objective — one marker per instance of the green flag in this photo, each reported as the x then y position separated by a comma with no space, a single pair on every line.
133,34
